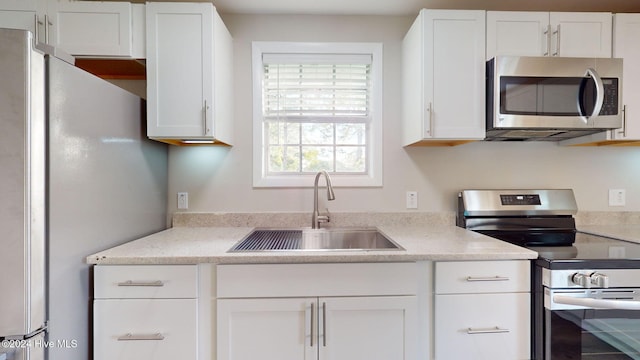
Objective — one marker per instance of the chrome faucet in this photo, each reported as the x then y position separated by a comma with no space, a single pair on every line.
317,218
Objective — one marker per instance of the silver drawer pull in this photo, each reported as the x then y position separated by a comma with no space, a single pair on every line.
493,330
135,337
487,278
141,283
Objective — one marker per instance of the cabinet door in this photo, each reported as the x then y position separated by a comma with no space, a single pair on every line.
179,70
134,329
91,27
581,34
626,46
368,328
517,33
18,14
267,329
454,74
482,326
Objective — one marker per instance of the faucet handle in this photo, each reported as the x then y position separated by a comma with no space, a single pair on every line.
328,216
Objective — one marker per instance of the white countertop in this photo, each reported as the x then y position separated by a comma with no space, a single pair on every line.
193,245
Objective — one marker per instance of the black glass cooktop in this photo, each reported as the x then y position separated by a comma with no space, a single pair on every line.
589,252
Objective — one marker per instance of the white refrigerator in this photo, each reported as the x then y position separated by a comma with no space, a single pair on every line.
77,175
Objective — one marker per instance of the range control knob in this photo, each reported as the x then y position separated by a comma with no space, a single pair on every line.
583,280
599,280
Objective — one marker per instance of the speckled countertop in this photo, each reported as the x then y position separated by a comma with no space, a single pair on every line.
206,238
193,245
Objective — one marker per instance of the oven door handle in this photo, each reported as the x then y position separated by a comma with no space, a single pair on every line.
597,303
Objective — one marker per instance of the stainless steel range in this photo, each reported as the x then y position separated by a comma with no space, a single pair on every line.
585,288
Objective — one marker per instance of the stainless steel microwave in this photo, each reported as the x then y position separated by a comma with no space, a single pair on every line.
552,98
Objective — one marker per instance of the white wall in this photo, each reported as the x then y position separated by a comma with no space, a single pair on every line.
220,179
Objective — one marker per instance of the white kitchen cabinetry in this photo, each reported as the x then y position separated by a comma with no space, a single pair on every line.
482,310
80,28
626,31
567,34
19,14
189,74
443,78
317,311
145,312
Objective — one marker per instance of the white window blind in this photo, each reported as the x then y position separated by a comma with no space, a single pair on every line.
316,86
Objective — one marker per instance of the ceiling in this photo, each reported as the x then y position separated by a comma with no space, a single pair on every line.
409,7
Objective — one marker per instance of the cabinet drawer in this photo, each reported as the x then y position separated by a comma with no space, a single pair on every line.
298,280
133,329
464,277
145,281
484,326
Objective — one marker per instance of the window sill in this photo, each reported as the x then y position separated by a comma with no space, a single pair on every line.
306,181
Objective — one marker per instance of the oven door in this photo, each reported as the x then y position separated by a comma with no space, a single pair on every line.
601,324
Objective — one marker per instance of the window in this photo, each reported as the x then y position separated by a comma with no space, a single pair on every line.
317,107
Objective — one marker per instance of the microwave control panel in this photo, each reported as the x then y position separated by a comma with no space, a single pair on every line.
610,105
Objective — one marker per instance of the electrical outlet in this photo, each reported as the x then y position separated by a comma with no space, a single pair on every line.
412,199
617,197
183,200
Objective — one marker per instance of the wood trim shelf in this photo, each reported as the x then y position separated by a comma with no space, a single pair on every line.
122,69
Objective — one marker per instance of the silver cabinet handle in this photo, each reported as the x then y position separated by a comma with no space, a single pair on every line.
487,278
47,22
313,316
557,33
140,337
430,127
493,330
206,108
157,283
36,34
624,121
324,324
547,34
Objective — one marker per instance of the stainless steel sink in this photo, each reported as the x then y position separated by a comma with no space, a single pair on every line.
362,239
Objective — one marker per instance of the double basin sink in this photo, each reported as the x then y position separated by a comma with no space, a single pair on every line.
341,239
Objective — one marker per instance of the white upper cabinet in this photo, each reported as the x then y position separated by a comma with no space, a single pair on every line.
92,28
626,32
189,74
79,28
443,78
566,34
19,14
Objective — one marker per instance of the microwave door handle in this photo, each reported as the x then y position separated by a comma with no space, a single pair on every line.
599,93
597,303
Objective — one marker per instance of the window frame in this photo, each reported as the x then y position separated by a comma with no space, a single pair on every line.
373,178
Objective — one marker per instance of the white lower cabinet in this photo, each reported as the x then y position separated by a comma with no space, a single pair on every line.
134,329
344,327
482,326
145,312
482,310
350,328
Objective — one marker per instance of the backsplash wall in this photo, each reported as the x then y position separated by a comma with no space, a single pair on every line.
220,179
